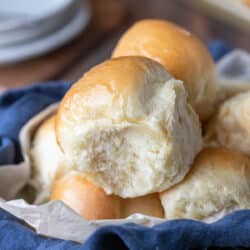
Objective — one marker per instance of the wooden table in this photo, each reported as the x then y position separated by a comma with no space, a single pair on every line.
110,19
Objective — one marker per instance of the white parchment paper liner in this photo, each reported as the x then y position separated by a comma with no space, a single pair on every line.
234,73
49,219
56,220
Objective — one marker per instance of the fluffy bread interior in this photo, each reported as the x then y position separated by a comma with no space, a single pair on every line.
133,139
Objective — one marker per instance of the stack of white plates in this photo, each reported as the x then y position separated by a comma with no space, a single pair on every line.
31,28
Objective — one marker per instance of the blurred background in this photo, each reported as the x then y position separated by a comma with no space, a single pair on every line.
61,39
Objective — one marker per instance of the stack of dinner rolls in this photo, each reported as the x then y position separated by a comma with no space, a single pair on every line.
144,132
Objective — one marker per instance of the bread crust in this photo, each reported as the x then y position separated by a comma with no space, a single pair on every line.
181,53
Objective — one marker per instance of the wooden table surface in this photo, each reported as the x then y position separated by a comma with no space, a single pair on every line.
109,20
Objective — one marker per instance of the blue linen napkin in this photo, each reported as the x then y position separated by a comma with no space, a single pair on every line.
19,105
232,232
218,49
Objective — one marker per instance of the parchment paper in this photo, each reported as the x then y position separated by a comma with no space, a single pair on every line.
49,218
234,73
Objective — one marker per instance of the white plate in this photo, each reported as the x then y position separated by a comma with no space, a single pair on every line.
18,13
20,52
28,19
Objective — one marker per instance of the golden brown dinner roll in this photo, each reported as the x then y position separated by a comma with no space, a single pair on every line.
47,159
218,183
181,53
128,127
85,198
46,156
230,126
92,203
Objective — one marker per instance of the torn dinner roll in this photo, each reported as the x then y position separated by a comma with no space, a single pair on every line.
127,125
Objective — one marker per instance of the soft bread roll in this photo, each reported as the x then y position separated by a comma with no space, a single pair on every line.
230,126
218,183
181,53
128,127
46,156
92,203
85,198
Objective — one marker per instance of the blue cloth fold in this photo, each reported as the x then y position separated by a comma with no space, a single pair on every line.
218,49
18,106
7,151
232,232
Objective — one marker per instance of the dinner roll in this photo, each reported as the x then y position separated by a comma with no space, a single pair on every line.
92,203
45,156
230,126
85,198
128,127
218,183
181,53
